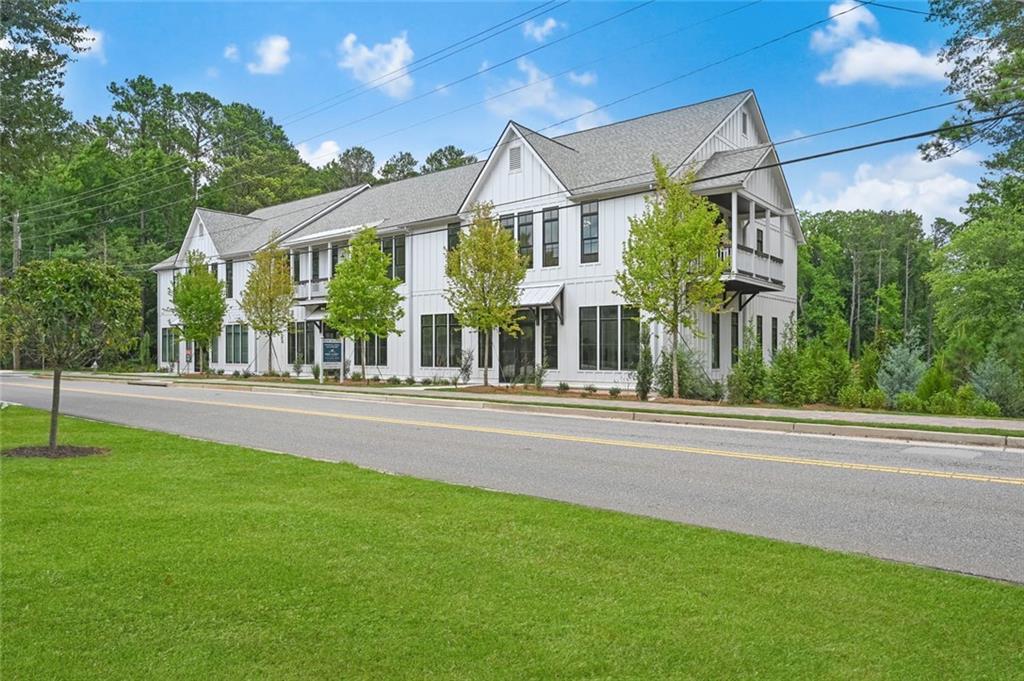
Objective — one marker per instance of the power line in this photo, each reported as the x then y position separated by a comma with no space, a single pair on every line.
362,89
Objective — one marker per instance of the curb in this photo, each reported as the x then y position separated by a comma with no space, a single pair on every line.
646,416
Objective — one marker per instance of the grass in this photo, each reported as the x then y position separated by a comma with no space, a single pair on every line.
176,558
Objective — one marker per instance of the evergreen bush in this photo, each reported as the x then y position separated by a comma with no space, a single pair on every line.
787,383
874,399
851,396
901,370
935,380
995,380
614,391
909,402
746,382
943,402
644,366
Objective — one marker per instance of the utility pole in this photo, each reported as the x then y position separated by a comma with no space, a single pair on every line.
16,263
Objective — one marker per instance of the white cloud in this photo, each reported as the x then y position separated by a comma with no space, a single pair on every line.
273,54
384,63
860,56
92,45
539,95
541,31
586,78
845,28
212,72
231,52
903,182
874,60
326,152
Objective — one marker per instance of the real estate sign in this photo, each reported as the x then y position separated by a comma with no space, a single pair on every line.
332,353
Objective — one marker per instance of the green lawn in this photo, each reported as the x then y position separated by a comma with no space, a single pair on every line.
173,558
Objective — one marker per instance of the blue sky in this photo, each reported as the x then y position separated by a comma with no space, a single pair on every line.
288,58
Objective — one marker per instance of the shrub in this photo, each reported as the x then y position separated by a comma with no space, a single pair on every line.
220,372
982,407
539,373
787,383
966,396
375,379
867,367
235,373
465,366
901,370
827,369
563,387
357,375
590,388
746,382
935,380
409,380
995,380
874,399
426,381
644,365
615,391
693,382
297,368
246,374
942,403
394,380
907,401
316,372
851,396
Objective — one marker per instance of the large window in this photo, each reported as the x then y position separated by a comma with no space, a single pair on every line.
440,340
589,233
526,237
301,342
229,278
734,338
296,260
169,345
508,222
716,341
549,338
454,232
395,247
236,344
609,338
760,332
376,350
550,237
775,335
314,257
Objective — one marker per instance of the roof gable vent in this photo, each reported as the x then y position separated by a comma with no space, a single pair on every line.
515,159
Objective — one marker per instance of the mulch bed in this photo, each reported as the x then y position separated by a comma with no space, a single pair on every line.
61,452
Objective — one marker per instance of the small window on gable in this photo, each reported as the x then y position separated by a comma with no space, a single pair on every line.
515,159
744,124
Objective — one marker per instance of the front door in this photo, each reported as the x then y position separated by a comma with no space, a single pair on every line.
517,355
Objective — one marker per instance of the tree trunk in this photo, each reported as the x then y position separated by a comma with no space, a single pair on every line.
487,355
366,379
54,409
270,352
675,349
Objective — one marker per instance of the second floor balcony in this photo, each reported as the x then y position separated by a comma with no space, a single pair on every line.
311,290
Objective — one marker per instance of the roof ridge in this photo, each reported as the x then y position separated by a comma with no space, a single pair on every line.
550,139
653,113
227,212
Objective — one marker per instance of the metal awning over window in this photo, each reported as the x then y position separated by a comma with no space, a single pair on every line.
551,295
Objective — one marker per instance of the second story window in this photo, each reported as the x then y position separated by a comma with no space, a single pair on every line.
314,257
550,237
229,278
589,233
526,237
296,259
508,222
395,247
743,123
454,232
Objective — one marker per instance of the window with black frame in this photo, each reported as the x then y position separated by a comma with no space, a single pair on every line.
550,237
440,340
549,338
589,233
454,233
376,350
525,225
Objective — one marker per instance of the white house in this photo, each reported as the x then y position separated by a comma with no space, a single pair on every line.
568,200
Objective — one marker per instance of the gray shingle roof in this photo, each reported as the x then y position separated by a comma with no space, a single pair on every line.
425,197
729,168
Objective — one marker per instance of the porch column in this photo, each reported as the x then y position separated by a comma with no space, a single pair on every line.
735,230
330,261
309,277
751,224
767,231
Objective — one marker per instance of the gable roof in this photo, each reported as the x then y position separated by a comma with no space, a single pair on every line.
729,168
432,196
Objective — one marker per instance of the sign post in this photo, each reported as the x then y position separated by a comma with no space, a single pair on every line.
332,356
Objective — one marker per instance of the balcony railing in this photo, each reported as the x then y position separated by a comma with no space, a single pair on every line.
756,264
310,289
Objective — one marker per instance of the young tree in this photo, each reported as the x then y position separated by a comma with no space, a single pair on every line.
671,267
362,300
197,298
484,272
68,313
267,299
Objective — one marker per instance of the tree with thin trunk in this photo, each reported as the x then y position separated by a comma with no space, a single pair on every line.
267,298
671,269
66,314
362,299
197,299
484,273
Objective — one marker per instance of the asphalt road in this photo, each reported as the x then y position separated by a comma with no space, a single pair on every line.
950,507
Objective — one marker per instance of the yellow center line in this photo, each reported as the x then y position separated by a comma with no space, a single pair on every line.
770,458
